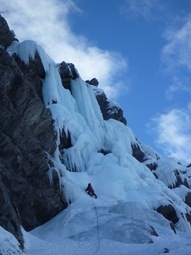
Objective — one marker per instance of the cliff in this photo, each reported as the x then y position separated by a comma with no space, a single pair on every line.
53,124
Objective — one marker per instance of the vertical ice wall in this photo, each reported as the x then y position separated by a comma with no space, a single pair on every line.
78,113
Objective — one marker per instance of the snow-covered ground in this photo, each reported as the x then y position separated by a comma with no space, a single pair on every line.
77,230
118,222
123,219
91,226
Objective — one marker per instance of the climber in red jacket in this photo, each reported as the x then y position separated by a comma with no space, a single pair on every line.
90,191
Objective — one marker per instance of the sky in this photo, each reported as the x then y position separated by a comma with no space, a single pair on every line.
139,50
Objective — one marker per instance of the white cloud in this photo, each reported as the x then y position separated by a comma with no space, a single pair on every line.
47,22
174,133
176,55
173,129
178,85
177,51
142,8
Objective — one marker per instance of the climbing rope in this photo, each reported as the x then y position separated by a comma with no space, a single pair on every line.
98,236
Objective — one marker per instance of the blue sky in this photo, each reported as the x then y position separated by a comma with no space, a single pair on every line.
139,50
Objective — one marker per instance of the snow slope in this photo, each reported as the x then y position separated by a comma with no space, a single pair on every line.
123,219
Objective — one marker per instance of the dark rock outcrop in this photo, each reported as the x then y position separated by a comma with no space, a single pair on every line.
169,213
9,216
6,35
109,109
65,141
27,142
188,199
188,217
93,82
152,167
67,72
138,153
142,156
179,180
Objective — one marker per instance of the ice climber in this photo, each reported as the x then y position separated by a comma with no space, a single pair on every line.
90,191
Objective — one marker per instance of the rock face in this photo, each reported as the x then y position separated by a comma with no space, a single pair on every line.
168,212
27,142
67,72
109,109
6,35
